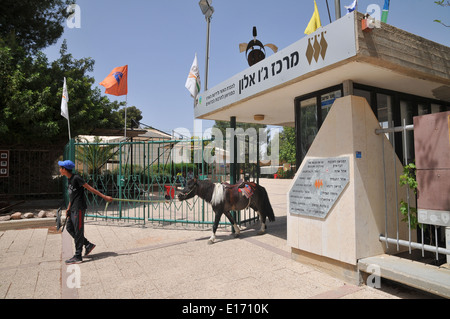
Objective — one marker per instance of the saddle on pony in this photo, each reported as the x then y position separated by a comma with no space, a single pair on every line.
245,188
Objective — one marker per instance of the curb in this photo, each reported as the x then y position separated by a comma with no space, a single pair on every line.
27,223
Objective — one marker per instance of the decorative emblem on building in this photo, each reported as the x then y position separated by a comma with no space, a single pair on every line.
318,47
255,50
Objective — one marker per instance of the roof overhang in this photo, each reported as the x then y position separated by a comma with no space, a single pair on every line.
387,58
116,132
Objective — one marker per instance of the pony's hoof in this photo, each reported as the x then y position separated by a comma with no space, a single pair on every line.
210,242
236,235
261,232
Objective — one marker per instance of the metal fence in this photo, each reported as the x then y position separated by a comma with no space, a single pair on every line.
32,173
389,239
144,178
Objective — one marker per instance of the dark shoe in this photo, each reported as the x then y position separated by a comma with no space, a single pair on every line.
89,248
74,260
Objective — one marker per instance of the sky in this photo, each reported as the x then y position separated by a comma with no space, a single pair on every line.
159,39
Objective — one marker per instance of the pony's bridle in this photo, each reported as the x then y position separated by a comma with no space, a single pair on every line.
187,203
185,195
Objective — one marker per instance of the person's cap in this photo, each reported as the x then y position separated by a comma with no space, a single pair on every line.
67,164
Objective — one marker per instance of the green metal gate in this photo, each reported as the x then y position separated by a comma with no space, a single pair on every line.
144,178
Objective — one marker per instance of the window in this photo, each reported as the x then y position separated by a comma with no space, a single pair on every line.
385,113
363,93
406,115
390,107
311,112
423,109
308,124
436,108
327,101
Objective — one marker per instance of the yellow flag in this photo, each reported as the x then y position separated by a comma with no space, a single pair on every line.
314,23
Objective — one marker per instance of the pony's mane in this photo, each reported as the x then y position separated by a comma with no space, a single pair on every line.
211,192
218,194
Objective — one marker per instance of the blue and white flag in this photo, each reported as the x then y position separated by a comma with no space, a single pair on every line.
351,7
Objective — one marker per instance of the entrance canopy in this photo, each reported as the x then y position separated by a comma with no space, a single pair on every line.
385,57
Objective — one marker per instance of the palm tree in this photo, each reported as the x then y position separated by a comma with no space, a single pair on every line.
95,155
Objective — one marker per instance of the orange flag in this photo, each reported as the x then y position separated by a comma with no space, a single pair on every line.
116,83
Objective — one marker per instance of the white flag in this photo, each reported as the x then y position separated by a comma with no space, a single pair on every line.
65,99
193,80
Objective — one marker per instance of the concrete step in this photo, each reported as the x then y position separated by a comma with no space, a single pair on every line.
429,278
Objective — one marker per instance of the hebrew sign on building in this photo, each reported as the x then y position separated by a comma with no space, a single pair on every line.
325,47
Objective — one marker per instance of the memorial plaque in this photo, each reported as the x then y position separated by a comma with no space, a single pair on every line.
318,186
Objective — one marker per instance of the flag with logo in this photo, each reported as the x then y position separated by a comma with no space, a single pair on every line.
65,106
193,80
351,7
314,23
116,83
384,16
64,101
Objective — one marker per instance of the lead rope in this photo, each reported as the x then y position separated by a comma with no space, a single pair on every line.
140,201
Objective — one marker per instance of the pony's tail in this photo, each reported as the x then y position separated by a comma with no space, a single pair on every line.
266,206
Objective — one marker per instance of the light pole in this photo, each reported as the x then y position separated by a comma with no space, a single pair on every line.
207,10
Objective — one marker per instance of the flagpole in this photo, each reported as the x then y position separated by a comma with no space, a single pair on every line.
68,119
126,101
329,15
337,8
68,124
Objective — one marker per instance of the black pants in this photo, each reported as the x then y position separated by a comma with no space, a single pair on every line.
75,227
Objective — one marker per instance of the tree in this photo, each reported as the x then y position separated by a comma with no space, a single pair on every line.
30,98
30,24
442,3
287,145
223,125
134,116
31,86
95,155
